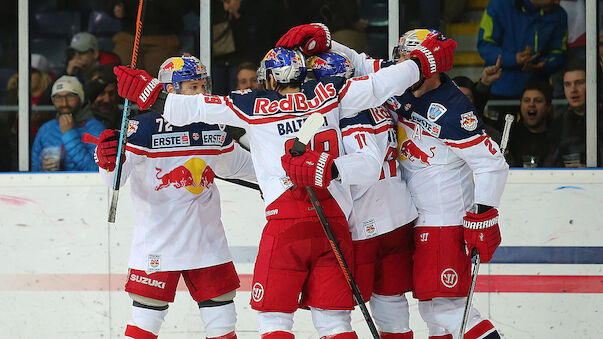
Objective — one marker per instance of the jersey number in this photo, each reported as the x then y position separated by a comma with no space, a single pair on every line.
491,148
390,163
167,126
325,141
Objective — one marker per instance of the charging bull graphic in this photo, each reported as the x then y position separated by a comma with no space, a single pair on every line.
408,150
412,152
194,175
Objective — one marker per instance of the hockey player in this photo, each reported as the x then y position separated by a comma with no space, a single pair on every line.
294,255
382,213
442,145
178,229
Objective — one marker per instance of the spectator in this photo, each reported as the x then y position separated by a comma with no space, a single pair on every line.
247,77
83,55
568,131
102,92
479,93
531,37
58,145
161,33
40,82
244,20
528,143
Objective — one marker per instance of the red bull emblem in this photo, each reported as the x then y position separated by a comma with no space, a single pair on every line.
469,121
194,175
174,65
271,55
412,152
317,63
407,107
196,136
132,127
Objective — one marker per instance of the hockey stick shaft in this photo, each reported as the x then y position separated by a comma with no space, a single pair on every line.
503,146
121,148
342,263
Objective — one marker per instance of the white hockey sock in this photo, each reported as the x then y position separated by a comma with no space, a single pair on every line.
275,321
330,322
147,319
219,320
390,313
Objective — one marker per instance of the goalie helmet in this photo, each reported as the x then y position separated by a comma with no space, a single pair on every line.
330,64
175,70
284,64
410,40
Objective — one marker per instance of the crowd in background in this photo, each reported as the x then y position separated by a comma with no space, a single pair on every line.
534,52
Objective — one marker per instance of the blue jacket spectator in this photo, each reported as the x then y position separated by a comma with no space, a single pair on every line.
58,144
531,36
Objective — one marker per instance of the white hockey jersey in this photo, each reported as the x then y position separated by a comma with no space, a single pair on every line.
175,201
379,206
272,120
442,146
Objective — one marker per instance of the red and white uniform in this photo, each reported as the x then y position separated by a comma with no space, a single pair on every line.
294,255
175,202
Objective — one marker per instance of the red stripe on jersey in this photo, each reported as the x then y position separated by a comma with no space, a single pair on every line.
349,131
466,144
345,89
253,120
377,64
181,153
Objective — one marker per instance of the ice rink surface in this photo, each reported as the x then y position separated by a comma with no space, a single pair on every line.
64,266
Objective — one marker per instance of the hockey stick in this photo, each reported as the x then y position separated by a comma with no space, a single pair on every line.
503,145
306,132
121,150
240,182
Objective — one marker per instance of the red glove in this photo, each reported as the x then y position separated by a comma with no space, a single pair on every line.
481,231
312,38
106,150
137,85
435,54
309,169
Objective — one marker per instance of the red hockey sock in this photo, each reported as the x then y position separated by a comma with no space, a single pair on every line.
445,336
388,335
278,335
230,335
484,327
345,335
138,333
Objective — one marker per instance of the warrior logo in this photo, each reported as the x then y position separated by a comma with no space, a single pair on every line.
449,278
423,236
257,292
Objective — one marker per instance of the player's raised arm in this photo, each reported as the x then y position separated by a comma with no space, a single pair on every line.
179,110
434,55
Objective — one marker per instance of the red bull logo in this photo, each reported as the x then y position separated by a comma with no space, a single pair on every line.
271,55
175,65
317,63
194,175
412,152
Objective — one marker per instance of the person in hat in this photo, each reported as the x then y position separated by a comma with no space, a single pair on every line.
58,144
83,55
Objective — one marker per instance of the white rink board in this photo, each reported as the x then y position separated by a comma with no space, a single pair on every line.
59,253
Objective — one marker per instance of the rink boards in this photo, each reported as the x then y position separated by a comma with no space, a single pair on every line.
65,266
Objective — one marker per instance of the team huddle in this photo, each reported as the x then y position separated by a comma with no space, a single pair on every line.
407,178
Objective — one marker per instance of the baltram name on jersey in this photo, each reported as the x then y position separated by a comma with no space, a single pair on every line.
295,102
174,139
